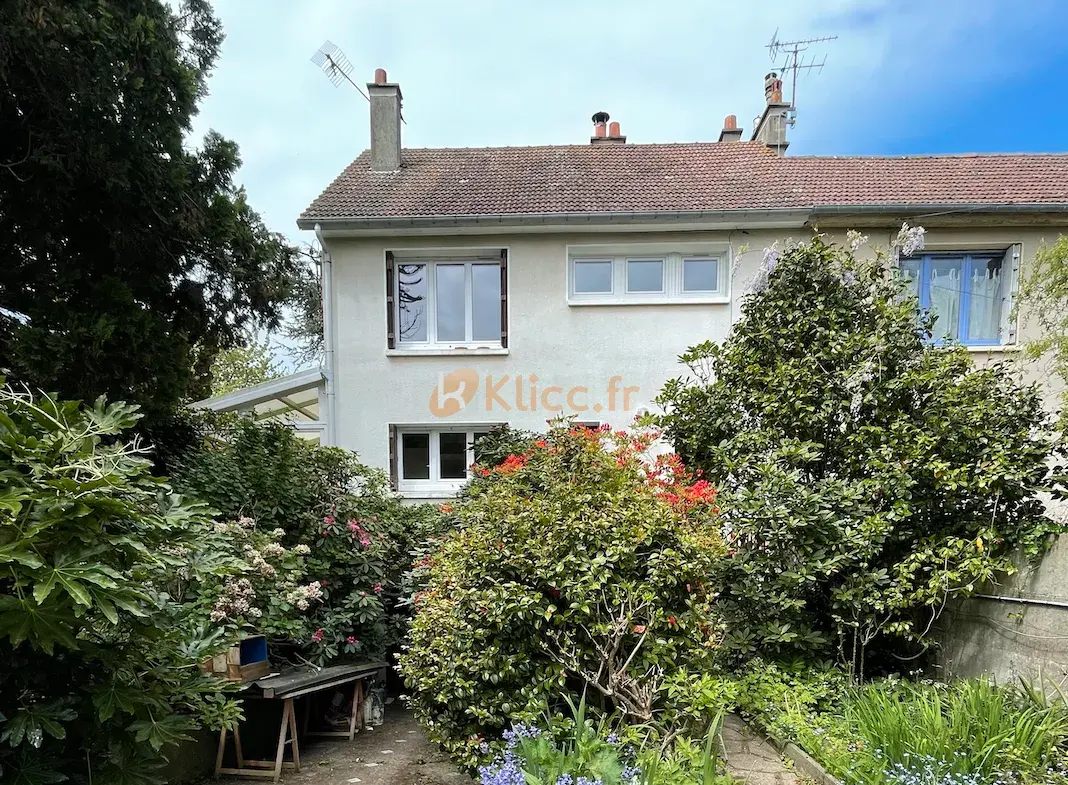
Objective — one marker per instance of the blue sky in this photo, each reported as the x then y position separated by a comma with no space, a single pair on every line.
905,77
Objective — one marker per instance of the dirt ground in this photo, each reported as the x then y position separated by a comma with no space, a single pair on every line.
396,753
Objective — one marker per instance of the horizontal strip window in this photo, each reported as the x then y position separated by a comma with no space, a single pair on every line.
646,279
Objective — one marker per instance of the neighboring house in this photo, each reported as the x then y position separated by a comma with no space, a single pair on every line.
472,286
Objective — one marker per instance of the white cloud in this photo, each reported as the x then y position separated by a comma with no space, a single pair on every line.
476,72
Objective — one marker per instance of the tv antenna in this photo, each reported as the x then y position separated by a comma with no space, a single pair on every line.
337,68
795,61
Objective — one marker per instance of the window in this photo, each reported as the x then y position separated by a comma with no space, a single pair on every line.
966,293
645,275
432,460
593,276
627,278
445,303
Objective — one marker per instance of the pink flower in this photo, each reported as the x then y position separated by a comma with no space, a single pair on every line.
378,588
353,526
318,635
329,520
365,540
351,640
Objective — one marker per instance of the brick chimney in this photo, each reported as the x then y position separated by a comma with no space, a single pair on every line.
603,135
771,126
385,123
731,132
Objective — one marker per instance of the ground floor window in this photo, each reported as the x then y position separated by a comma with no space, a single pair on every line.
432,459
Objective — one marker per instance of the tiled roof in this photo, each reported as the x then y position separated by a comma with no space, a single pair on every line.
675,177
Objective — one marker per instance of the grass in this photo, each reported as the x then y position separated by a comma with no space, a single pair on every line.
972,732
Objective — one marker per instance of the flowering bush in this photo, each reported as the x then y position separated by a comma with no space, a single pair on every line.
576,566
322,542
866,476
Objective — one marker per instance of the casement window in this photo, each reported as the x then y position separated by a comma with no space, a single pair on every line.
431,460
447,303
645,278
969,294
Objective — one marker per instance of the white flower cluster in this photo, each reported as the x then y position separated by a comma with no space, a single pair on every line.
236,600
273,550
909,240
301,549
304,596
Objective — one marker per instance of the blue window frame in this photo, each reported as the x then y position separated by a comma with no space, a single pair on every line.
965,292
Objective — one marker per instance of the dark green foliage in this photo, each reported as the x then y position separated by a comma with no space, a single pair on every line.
99,662
129,258
500,442
865,476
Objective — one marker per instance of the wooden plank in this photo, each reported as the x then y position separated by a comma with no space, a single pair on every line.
306,680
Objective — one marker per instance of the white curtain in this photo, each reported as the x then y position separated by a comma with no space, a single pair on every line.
945,301
984,311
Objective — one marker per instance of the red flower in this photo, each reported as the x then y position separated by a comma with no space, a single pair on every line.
512,463
351,640
317,636
639,628
541,443
671,620
445,508
378,588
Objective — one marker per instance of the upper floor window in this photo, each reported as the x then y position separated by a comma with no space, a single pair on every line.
448,303
635,279
968,294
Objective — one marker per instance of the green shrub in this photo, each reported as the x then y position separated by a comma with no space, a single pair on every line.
575,566
866,476
99,658
357,535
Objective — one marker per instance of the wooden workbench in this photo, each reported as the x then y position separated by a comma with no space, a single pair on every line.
286,687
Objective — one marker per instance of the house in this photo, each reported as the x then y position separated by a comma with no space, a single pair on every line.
473,286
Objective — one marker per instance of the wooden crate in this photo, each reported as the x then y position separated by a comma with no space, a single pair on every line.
242,662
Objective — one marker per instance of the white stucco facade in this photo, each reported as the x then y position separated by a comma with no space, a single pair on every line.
612,359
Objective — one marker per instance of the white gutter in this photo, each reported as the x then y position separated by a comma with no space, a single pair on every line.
329,361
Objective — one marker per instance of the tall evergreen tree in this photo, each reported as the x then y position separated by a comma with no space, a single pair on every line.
128,258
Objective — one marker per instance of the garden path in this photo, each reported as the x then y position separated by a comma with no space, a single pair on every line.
751,758
396,753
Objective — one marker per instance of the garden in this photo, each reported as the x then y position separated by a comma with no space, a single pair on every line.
592,605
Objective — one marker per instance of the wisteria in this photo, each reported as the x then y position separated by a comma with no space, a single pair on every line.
909,240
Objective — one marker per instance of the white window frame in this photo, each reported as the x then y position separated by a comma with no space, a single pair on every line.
435,485
432,341
673,257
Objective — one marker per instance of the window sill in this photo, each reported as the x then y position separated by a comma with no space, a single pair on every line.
718,299
440,493
460,351
999,348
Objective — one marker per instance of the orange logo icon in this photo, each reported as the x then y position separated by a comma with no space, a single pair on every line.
454,392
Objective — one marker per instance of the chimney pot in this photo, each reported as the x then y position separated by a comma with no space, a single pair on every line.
731,132
600,119
613,129
773,88
380,76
